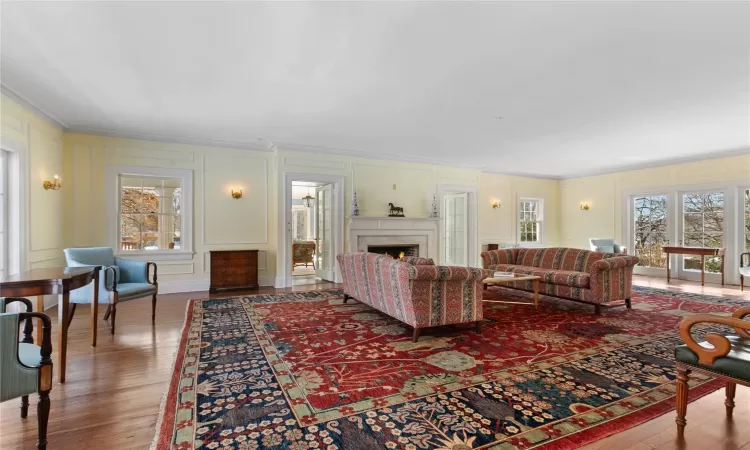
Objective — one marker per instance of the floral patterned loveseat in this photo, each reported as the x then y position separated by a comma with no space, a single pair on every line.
417,292
602,279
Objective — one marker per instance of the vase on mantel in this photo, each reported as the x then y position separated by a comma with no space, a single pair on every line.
434,210
355,205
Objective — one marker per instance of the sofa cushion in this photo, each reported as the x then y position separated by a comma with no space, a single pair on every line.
417,261
570,259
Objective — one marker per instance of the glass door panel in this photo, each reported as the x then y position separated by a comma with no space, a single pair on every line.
324,232
702,226
456,229
650,230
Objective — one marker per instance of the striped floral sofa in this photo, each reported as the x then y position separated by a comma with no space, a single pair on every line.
602,279
417,292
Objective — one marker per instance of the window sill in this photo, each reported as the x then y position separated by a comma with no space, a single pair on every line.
156,255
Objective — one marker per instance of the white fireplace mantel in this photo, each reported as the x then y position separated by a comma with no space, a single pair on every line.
364,231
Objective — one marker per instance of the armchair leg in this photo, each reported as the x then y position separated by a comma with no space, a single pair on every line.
598,310
683,375
153,308
106,313
729,402
628,303
43,418
346,298
24,406
742,282
113,314
415,336
479,326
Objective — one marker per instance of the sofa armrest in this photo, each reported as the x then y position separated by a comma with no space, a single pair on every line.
132,271
448,273
617,262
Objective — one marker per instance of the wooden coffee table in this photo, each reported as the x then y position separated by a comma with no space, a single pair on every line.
516,277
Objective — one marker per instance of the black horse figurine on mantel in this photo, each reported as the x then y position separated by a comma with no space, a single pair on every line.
396,211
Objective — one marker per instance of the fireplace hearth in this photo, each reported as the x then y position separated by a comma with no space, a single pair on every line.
395,251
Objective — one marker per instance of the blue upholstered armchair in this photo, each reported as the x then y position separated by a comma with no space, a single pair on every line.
26,368
606,245
122,280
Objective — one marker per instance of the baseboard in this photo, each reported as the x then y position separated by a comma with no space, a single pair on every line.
174,287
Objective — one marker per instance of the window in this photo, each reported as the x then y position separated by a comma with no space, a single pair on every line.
530,220
650,229
4,260
152,211
703,226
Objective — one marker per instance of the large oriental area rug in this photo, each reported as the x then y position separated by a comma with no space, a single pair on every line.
304,370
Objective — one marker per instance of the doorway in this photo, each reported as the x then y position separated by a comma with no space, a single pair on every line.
313,237
458,225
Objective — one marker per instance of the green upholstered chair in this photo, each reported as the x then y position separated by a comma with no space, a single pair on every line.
724,357
122,280
25,368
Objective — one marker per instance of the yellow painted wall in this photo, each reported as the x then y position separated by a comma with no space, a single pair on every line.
39,142
219,221
605,193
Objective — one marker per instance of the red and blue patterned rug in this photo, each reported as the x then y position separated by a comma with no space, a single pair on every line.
306,371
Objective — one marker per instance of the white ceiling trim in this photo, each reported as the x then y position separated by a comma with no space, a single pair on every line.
33,107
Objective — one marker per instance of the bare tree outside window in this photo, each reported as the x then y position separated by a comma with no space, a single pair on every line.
650,226
703,226
150,213
530,221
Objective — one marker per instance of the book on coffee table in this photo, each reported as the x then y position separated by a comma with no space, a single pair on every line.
502,274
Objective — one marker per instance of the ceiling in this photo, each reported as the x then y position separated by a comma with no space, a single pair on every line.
582,87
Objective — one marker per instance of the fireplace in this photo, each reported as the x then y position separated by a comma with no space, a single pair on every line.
395,251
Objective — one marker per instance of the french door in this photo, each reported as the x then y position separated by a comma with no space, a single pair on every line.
651,230
701,223
324,267
456,229
4,259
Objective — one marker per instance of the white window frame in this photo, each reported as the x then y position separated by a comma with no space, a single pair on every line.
539,220
113,207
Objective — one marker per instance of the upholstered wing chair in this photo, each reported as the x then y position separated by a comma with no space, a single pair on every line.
122,280
606,245
26,368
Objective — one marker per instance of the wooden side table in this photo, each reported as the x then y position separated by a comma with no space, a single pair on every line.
516,277
702,252
54,281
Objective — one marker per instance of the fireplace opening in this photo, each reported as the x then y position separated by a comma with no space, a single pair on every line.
394,251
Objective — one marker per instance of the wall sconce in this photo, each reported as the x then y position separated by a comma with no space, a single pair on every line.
495,205
237,194
53,185
585,206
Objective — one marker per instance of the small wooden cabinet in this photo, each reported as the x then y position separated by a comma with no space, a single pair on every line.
234,269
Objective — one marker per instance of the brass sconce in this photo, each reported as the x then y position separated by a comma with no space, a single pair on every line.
495,205
53,185
237,194
585,206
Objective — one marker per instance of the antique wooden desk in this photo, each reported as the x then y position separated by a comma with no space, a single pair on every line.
700,251
54,281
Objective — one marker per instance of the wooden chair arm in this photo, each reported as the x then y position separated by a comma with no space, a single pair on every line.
114,277
721,345
148,265
28,325
740,314
46,344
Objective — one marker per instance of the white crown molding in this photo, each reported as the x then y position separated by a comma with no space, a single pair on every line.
172,139
660,163
289,146
13,95
520,174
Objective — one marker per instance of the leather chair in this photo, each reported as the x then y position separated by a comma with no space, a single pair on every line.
26,368
724,357
122,280
606,245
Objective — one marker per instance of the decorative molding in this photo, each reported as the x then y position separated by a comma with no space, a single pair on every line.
203,205
177,286
315,163
30,130
145,155
49,117
176,269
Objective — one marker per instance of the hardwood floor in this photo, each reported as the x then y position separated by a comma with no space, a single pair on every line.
112,396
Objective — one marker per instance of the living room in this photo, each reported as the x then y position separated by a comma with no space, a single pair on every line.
231,202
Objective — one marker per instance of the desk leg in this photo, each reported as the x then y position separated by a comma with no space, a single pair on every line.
722,270
95,309
62,335
39,308
668,267
703,260
536,294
